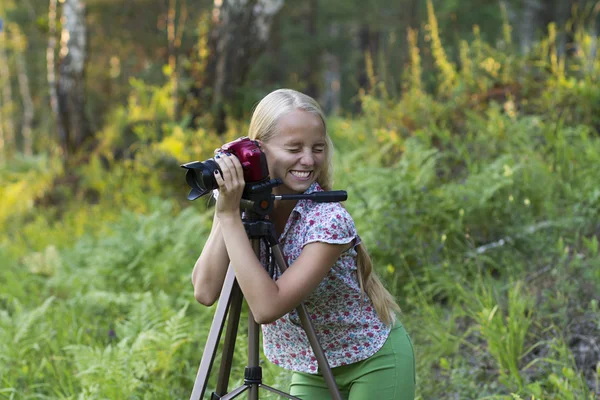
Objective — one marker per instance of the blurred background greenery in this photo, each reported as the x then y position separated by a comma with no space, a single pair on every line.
466,134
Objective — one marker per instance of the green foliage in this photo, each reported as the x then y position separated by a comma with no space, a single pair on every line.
116,321
148,340
22,182
475,184
505,331
478,202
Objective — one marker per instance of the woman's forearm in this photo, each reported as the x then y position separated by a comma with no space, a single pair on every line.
211,267
259,289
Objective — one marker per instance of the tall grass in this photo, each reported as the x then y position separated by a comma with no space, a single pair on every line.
478,201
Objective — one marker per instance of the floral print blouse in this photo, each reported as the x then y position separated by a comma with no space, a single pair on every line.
347,326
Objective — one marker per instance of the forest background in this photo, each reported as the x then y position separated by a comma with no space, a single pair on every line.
466,135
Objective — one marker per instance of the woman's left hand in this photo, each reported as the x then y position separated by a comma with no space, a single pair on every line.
231,185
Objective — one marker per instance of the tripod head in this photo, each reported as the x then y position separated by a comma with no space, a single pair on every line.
258,198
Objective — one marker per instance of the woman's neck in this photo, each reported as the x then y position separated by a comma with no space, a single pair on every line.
282,209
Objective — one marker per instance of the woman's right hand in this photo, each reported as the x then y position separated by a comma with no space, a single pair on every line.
231,185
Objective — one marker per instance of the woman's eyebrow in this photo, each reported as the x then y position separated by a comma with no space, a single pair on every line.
294,143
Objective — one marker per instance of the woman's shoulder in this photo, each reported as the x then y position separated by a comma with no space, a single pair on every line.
325,210
328,221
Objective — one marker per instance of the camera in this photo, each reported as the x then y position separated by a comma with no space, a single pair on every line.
200,175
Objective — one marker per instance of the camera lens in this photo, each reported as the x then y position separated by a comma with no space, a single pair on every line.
205,177
200,176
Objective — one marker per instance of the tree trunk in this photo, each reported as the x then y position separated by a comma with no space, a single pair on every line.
311,73
28,111
6,112
28,108
368,43
529,23
241,29
561,14
331,96
171,49
71,85
2,140
51,75
593,48
30,9
174,34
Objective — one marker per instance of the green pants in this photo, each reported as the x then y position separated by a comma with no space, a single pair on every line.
388,374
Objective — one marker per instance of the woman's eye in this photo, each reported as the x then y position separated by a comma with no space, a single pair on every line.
294,150
318,150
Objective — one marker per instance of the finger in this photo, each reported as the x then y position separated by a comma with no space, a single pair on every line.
219,179
226,172
238,168
228,160
233,163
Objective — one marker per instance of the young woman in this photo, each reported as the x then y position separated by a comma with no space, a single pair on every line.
369,351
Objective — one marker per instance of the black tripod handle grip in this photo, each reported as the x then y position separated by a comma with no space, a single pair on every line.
330,196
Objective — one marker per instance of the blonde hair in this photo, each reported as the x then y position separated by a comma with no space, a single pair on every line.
383,301
263,126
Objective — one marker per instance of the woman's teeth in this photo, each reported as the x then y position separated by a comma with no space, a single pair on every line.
300,174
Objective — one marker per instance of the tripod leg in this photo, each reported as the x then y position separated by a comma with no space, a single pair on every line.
310,332
253,336
279,392
235,309
253,369
214,335
235,392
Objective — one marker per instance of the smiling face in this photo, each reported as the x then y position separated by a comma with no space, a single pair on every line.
297,152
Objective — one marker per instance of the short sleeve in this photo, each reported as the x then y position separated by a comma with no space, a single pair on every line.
329,223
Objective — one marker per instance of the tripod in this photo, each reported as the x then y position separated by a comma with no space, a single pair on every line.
257,202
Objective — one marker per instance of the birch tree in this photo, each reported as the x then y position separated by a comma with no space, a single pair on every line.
51,73
529,23
71,84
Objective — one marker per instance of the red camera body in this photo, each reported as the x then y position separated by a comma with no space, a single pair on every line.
253,160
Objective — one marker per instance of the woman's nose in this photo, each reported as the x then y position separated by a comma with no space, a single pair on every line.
307,158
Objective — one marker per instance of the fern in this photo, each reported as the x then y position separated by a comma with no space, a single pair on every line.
23,333
144,316
111,372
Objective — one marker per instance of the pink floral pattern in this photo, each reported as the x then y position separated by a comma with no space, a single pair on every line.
347,326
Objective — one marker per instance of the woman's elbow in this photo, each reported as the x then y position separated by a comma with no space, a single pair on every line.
204,296
266,317
261,320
